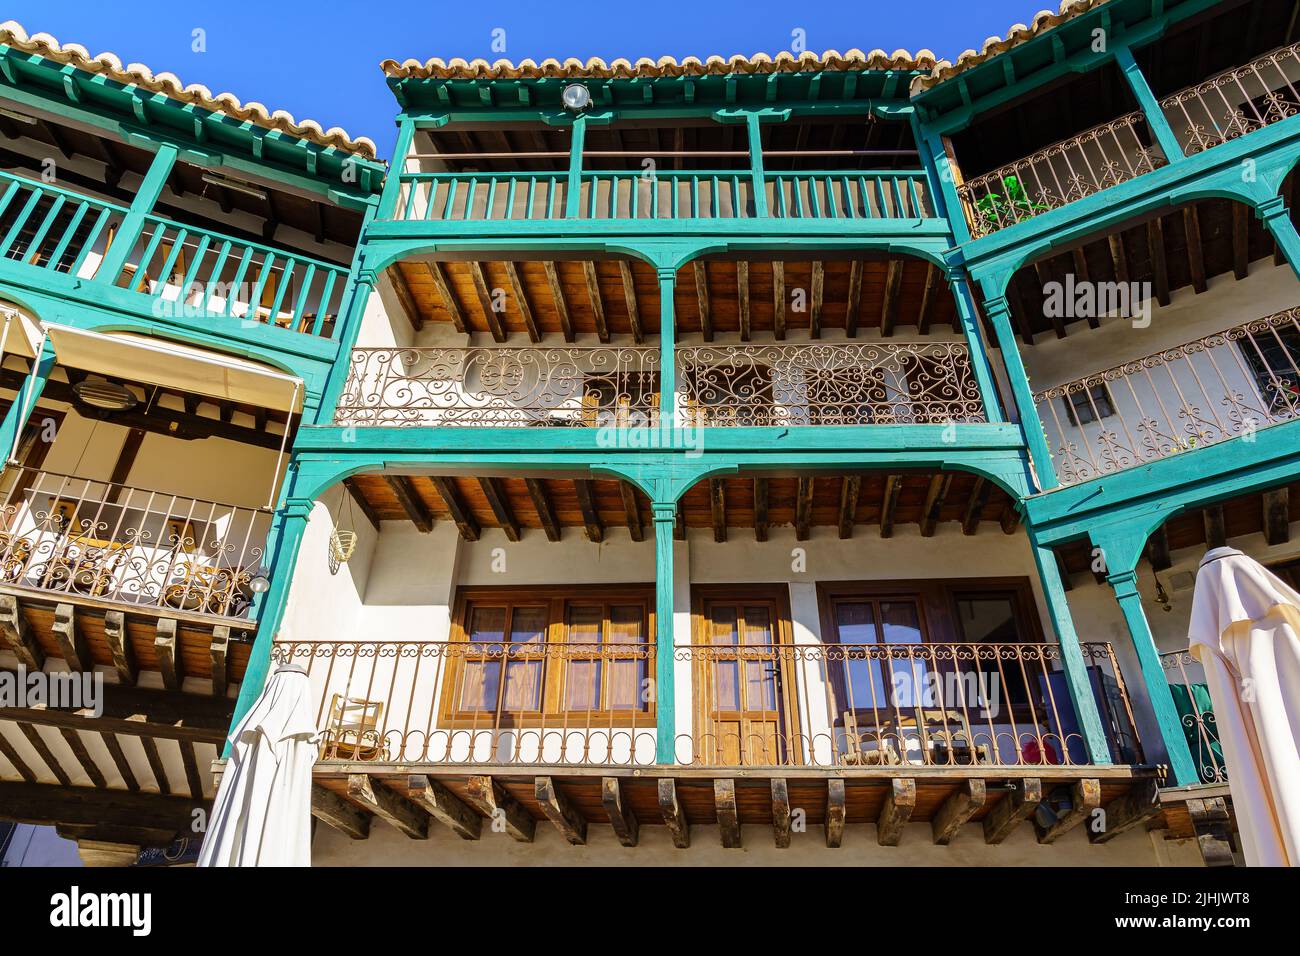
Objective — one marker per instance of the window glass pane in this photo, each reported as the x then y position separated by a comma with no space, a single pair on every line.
726,669
760,667
860,676
992,619
523,668
628,666
582,681
480,677
901,624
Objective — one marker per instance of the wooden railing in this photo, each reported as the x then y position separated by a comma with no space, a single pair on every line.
868,383
1196,713
1173,401
661,194
753,705
79,537
53,228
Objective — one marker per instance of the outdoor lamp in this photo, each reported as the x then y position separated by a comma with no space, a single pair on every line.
576,97
259,584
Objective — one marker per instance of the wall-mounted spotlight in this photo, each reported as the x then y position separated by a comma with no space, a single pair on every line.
576,97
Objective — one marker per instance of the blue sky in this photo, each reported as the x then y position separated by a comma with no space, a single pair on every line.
320,59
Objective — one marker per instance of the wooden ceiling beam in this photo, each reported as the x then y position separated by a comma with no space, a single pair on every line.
934,498
405,299
521,302
404,491
888,503
219,657
487,302
815,299
72,642
1083,274
45,753
926,312
718,509
853,309
1277,515
979,496
449,302
557,296
631,511
803,509
500,506
1118,257
1044,277
1216,535
388,805
1063,571
742,298
850,491
702,298
465,521
1240,240
542,504
629,297
120,647
362,502
1159,264
1195,247
597,302
1157,550
587,505
165,649
889,308
778,300
760,509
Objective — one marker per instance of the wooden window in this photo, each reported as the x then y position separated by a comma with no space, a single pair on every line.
537,655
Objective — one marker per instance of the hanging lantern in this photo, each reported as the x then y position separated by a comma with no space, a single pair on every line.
342,541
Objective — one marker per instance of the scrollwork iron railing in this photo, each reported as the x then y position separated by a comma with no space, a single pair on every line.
537,387
1236,101
1196,394
1196,715
876,383
111,542
1060,174
829,706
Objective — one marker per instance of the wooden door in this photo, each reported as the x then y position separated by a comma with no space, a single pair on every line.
745,680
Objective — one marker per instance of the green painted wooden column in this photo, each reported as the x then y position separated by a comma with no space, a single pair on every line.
999,314
573,194
667,354
292,521
1277,219
1182,766
758,179
1156,121
665,516
20,410
1072,659
146,197
392,192
959,282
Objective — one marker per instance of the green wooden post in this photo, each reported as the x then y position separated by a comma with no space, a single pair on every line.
758,180
665,516
573,196
20,409
1182,767
999,314
1277,218
1156,120
667,354
392,193
959,282
1076,667
146,197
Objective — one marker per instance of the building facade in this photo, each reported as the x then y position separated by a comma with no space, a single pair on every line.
805,456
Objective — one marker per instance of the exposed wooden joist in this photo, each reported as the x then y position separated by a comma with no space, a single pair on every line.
464,519
119,645
835,813
631,511
888,503
934,498
542,505
405,299
489,303
1010,520
587,505
760,509
1083,274
850,490
621,817
979,497
45,753
897,810
702,298
156,766
928,296
403,490
1277,516
439,278
671,810
1216,535
781,818
1016,806
1044,278
557,297
1133,808
778,300
17,635
1118,256
444,806
219,652
1157,550
1212,824
1195,248
190,761
164,647
889,308
11,754
1063,571
500,505
1240,240
88,766
362,502
724,802
388,805
1159,264
742,298
958,808
718,509
1085,797
330,808
560,810
629,298
500,806
597,302
854,307
803,508
521,302
114,747
67,806
72,643
815,296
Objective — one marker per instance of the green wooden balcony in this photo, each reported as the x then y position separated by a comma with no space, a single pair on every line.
173,272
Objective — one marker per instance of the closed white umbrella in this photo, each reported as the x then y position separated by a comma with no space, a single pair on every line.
262,814
1245,631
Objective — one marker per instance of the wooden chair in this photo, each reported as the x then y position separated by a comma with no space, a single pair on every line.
85,565
857,755
206,588
352,732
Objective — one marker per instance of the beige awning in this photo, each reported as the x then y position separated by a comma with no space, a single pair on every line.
142,358
19,334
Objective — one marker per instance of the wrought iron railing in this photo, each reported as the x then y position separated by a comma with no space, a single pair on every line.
1196,713
830,706
192,272
1060,174
53,228
539,387
849,194
1236,101
77,536
878,383
1205,391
